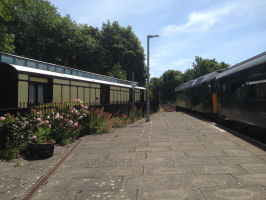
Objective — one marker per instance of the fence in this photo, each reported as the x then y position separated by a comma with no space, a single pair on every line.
125,108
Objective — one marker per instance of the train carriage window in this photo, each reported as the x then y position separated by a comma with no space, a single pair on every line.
19,61
51,68
7,59
59,69
67,71
42,66
40,94
31,93
80,73
74,72
31,64
257,92
36,93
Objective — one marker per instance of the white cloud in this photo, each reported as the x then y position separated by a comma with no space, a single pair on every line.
199,21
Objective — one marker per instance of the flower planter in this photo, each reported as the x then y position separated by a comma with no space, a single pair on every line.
41,151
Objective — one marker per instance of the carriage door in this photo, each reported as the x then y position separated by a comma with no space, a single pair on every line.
105,94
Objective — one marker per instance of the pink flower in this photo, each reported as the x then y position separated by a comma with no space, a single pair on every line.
2,118
61,117
70,121
39,119
34,138
57,116
46,122
48,117
75,124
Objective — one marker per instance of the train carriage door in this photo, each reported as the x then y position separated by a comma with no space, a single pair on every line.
105,94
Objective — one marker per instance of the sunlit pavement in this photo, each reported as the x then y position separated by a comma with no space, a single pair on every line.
175,156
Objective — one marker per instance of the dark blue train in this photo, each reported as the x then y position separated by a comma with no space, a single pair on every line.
237,93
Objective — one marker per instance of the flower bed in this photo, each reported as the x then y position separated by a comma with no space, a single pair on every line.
45,124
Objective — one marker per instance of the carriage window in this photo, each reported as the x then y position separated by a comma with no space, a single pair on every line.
19,61
31,64
257,92
80,73
36,93
74,72
51,68
43,66
7,59
67,71
40,94
31,94
59,69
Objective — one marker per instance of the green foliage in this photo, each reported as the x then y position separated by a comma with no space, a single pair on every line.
204,66
118,72
165,85
42,135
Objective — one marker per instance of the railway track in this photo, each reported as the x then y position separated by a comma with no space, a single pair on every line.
167,108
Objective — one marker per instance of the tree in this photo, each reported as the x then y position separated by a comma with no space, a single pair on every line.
118,72
121,45
165,86
169,80
204,66
34,29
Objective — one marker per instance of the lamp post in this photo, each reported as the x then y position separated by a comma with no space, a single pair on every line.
148,77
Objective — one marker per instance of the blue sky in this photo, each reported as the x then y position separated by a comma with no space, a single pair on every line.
227,30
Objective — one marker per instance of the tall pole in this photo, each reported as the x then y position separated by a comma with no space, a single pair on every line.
148,80
148,76
133,99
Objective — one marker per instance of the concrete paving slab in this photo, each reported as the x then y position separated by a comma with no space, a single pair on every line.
113,183
167,155
150,183
170,195
252,179
177,170
239,160
237,152
206,181
218,169
255,168
153,149
246,193
203,153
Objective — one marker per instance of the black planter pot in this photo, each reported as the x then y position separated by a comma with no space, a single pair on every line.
41,151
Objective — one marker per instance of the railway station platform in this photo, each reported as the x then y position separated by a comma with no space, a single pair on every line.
175,156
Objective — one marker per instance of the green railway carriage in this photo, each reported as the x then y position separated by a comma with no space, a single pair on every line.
25,82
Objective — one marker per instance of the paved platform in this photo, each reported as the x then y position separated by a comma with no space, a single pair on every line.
175,156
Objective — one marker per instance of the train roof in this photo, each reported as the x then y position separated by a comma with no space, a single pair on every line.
196,82
251,62
38,67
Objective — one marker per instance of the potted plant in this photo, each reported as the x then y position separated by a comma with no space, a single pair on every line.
41,145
